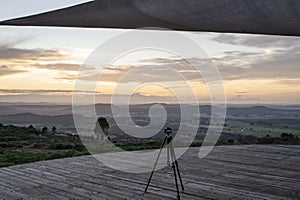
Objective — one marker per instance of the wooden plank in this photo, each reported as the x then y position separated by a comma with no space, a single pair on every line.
228,172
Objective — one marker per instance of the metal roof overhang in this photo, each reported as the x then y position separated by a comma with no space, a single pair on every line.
274,17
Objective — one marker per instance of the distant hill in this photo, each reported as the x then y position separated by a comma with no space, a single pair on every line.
62,114
262,110
39,109
251,110
29,118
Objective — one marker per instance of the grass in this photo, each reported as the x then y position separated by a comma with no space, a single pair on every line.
9,159
19,145
259,130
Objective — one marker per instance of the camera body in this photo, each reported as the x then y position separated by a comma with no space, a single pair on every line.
168,130
169,137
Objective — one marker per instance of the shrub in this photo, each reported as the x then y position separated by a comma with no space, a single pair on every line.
230,141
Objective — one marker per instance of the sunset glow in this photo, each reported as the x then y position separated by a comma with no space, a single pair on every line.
40,64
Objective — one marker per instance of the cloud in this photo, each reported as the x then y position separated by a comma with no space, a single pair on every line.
14,53
62,66
260,41
67,99
141,73
10,53
243,98
19,59
161,60
233,65
25,91
4,67
5,70
241,92
14,42
283,64
240,54
295,82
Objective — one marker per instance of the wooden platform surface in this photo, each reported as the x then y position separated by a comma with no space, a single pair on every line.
228,172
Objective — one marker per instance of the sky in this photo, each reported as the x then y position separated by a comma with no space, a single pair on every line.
41,64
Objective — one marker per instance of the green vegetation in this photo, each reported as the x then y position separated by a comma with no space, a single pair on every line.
154,144
20,145
260,128
285,138
14,158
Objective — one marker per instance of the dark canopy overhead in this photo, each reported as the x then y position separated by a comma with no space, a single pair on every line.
276,17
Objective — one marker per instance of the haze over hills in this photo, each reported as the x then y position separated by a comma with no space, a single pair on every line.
237,117
60,109
38,109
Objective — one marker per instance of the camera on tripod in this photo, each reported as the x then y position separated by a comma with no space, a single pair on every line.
169,137
168,130
170,154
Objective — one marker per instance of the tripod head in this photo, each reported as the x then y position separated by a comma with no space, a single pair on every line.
169,137
168,130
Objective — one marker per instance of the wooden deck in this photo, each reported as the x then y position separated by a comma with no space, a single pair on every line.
229,172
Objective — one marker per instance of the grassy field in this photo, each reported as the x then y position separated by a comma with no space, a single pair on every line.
259,130
20,145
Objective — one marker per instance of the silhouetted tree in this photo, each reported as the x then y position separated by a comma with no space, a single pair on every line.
44,130
104,125
31,127
230,141
287,135
54,130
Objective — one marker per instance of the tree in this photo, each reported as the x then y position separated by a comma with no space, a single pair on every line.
31,127
286,135
104,125
54,130
44,130
230,141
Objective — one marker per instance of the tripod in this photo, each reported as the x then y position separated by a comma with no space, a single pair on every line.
170,152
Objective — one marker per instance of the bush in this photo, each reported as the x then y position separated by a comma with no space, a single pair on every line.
287,136
79,147
59,146
6,145
45,130
230,141
68,146
38,146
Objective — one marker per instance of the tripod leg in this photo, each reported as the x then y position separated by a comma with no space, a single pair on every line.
182,187
173,166
168,155
162,146
177,167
